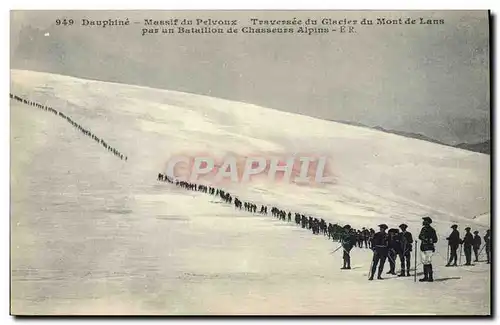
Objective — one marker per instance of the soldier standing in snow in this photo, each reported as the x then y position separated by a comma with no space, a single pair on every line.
393,245
379,247
366,236
337,232
477,245
348,241
330,231
372,233
487,241
303,221
405,240
359,238
428,238
453,242
468,241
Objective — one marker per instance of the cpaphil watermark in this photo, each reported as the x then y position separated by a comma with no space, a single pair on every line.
298,169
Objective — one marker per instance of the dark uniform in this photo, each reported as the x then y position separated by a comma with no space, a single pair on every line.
359,238
428,238
348,241
468,241
370,238
453,242
393,249
406,241
380,248
487,243
477,245
366,236
330,231
337,232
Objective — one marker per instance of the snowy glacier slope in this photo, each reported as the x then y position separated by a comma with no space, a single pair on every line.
94,234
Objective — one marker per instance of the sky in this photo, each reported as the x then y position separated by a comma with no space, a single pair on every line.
427,79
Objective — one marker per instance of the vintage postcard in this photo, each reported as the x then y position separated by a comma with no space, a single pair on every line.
250,163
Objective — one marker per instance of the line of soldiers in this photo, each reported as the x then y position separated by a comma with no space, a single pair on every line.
385,244
361,238
73,123
333,232
470,244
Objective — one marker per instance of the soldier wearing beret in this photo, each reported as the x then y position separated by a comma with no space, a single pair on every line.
468,241
348,241
453,241
487,243
380,248
406,240
477,245
394,249
428,238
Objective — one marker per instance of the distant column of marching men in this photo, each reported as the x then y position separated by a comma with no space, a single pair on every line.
73,123
385,244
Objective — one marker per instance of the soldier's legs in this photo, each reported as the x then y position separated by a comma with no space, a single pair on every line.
346,258
476,253
408,262
402,258
450,258
453,255
392,262
426,257
468,255
381,266
375,261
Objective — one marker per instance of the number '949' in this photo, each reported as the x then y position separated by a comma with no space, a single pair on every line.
64,22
